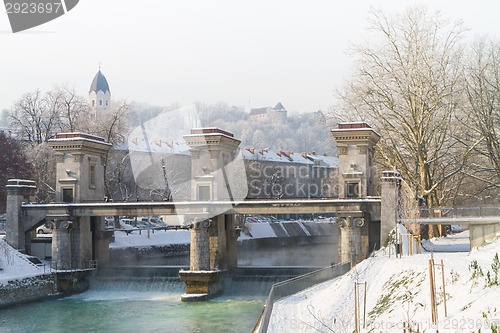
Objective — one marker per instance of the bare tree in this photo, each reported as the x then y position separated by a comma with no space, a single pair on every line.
71,107
408,84
483,92
37,116
42,158
34,117
110,124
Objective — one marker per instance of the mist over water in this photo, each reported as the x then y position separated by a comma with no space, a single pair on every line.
306,251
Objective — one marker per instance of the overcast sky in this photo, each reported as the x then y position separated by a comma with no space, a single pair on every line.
256,53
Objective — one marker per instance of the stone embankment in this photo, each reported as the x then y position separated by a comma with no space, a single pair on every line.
29,289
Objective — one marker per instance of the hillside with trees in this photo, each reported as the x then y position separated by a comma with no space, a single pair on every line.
307,132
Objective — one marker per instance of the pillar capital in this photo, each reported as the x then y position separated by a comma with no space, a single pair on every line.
351,222
199,224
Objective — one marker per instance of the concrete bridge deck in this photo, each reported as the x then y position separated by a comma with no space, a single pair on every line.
283,206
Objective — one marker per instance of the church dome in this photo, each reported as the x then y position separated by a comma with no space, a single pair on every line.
99,83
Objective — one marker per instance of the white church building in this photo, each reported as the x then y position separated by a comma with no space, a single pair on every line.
99,93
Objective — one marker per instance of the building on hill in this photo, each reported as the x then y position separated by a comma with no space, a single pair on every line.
285,174
160,169
277,113
99,93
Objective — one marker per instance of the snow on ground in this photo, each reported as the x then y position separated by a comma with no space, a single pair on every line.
454,243
14,265
159,237
398,291
260,230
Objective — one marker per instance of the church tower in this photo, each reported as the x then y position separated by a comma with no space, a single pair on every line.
99,94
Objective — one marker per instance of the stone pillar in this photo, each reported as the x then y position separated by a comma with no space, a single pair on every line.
203,281
218,243
18,192
232,233
353,238
390,206
61,245
101,240
82,239
212,152
80,164
71,244
356,143
199,258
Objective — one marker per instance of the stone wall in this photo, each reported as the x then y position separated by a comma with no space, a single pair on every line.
28,290
173,254
481,234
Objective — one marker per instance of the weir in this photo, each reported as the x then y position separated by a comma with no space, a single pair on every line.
217,194
243,281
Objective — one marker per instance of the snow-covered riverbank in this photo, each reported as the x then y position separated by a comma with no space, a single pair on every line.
398,292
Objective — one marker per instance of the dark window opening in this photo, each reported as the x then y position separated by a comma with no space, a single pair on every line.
67,195
352,190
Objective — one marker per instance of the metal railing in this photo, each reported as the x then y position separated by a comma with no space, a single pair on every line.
457,212
292,286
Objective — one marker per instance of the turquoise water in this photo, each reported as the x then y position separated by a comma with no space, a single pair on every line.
127,310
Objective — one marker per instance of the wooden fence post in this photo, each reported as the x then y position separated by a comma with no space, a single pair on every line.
433,291
444,289
356,319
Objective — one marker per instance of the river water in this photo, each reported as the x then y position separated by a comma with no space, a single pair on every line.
131,306
134,308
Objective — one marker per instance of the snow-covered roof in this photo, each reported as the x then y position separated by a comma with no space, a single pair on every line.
324,160
266,155
155,146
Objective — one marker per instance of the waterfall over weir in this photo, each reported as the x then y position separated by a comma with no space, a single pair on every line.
259,280
244,281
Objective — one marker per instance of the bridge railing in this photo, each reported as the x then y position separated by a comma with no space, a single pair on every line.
457,212
292,286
